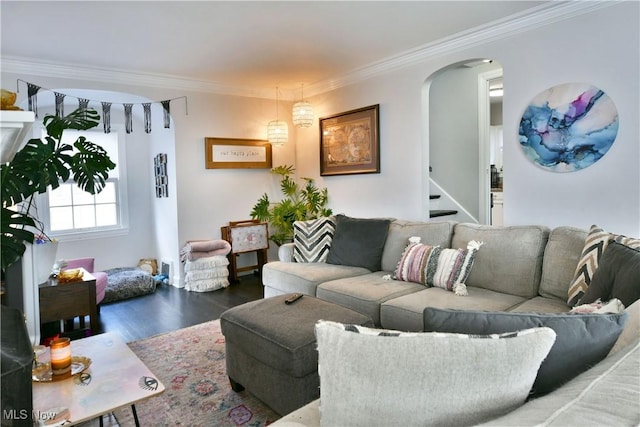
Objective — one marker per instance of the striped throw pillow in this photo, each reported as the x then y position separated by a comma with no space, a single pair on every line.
595,244
312,239
436,266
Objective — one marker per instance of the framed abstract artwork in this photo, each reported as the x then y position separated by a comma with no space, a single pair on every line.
350,142
568,127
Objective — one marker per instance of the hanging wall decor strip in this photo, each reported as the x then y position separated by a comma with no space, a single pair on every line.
32,92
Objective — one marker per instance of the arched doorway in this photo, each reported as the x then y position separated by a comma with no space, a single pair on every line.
457,140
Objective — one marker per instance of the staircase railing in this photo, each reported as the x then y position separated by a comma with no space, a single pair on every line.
447,202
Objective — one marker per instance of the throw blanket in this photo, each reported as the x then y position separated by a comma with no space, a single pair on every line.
196,249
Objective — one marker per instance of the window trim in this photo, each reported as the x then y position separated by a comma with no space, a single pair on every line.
42,201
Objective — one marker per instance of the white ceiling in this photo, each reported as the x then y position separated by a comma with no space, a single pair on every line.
260,44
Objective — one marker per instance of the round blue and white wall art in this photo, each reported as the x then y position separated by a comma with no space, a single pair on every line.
568,127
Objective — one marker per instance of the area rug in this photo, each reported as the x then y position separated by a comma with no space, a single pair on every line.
190,362
127,282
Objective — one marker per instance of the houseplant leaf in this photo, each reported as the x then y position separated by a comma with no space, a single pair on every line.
44,163
300,203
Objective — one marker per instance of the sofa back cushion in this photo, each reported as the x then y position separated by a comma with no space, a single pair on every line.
359,242
510,260
561,257
430,233
583,340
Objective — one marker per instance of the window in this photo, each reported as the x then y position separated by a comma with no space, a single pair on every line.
71,213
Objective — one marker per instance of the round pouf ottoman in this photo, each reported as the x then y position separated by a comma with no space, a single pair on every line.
127,282
271,348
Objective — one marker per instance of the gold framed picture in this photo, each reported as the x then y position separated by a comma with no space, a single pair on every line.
350,142
235,153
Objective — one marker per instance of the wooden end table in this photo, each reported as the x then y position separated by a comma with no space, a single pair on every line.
62,301
116,378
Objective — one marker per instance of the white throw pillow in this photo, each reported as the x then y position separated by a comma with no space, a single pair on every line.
374,377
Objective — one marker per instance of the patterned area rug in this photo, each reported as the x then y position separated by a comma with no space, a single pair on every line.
190,363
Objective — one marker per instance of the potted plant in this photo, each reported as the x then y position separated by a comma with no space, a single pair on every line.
300,203
44,163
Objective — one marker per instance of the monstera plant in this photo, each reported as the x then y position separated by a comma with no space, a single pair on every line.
300,203
44,163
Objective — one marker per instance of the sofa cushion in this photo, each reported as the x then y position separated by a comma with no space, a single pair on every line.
617,276
435,266
358,242
365,293
541,305
313,239
372,377
437,233
406,312
560,259
510,260
582,339
304,277
605,395
594,246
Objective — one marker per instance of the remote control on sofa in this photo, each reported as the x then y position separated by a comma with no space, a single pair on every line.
293,298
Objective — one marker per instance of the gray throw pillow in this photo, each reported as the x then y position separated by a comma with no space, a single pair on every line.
617,276
358,242
582,339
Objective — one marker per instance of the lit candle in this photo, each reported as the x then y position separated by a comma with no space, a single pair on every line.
61,356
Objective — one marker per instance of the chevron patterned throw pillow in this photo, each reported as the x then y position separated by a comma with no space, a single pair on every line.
595,244
312,239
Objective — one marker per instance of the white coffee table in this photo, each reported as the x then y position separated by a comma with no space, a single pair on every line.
116,378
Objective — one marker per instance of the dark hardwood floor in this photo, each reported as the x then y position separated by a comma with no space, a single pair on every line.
171,308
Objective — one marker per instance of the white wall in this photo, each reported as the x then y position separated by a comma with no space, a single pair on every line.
603,51
601,48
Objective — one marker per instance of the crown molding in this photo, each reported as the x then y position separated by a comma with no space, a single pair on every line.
543,15
29,66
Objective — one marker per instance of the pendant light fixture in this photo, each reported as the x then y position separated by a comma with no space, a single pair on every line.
277,130
302,112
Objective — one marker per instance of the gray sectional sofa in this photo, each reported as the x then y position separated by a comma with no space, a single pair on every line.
524,269
519,268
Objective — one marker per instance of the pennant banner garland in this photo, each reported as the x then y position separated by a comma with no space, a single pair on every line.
128,118
106,116
59,104
32,95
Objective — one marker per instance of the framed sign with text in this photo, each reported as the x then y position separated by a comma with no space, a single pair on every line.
234,153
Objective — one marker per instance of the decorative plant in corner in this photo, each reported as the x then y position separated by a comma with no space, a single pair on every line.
42,163
300,203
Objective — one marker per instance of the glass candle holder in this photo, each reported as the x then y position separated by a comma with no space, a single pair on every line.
61,356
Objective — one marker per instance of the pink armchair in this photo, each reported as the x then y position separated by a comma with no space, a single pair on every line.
101,277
